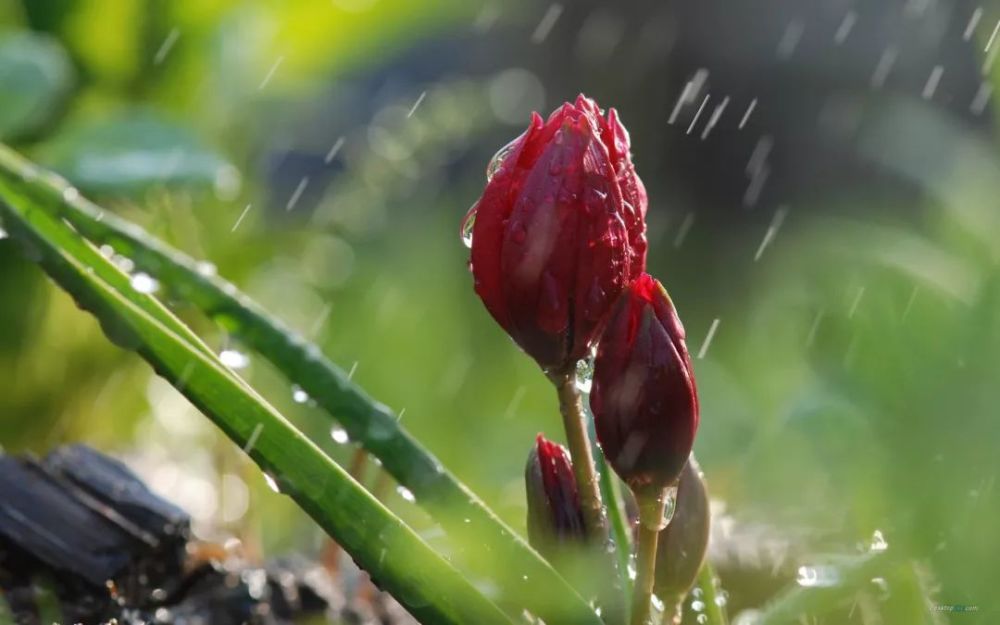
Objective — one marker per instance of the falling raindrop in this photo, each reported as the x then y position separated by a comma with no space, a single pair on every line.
406,493
144,283
467,226
584,374
271,483
339,435
234,359
298,395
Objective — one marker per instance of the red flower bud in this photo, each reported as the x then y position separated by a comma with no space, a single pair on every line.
559,232
644,399
554,512
681,548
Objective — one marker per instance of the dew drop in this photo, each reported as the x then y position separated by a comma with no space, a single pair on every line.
144,283
124,263
584,374
234,359
206,268
657,603
3,233
298,395
406,493
339,435
70,194
271,482
702,618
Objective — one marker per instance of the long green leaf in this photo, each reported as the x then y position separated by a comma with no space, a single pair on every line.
430,588
511,561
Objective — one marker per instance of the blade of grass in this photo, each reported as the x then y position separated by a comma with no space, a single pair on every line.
429,587
789,606
614,501
369,423
715,610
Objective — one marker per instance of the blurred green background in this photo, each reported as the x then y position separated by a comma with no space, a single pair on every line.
831,239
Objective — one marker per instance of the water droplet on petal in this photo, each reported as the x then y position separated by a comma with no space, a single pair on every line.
497,161
467,225
339,435
144,283
234,359
406,493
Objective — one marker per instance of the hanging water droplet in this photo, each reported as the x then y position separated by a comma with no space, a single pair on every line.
467,225
406,493
144,283
339,435
584,374
670,501
298,395
497,161
234,359
271,482
879,542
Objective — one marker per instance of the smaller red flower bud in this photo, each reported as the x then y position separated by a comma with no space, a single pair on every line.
555,516
682,546
644,399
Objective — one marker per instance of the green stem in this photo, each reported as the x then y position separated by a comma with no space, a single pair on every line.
575,424
650,525
715,611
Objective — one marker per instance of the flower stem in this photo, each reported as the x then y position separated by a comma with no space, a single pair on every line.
574,421
651,509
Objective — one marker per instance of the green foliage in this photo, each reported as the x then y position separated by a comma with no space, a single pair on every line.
35,78
434,593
